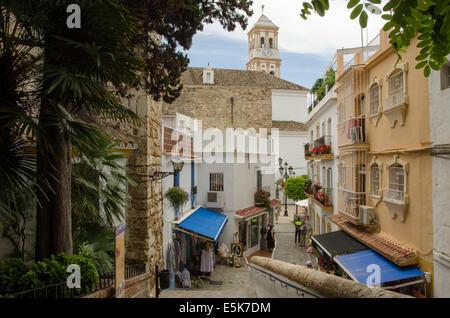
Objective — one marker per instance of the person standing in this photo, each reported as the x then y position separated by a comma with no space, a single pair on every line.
297,232
270,238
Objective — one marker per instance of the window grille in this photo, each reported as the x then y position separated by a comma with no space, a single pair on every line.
216,182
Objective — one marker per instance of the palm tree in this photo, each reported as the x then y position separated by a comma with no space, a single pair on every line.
80,70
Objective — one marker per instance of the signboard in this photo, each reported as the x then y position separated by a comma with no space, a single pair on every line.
120,260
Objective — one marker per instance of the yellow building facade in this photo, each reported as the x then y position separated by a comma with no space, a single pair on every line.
384,165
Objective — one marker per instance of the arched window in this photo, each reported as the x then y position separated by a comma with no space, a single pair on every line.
271,43
395,89
375,176
262,42
375,99
317,224
272,73
396,183
329,183
329,128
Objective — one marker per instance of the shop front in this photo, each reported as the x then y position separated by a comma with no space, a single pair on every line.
192,252
337,253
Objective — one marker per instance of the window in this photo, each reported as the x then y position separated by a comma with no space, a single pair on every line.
445,76
324,176
262,42
375,180
216,182
396,183
271,43
272,73
329,178
395,89
258,180
329,129
341,176
375,100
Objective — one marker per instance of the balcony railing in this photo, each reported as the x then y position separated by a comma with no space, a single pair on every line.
322,141
353,131
349,206
395,196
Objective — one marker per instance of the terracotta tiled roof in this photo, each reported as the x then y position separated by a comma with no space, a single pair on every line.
251,211
289,125
275,202
400,255
238,78
256,209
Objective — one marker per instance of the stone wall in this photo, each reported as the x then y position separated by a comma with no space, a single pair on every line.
144,217
319,283
212,104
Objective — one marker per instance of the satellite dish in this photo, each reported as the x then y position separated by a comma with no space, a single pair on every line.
373,9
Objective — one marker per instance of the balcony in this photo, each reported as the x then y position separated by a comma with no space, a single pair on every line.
321,151
321,196
397,202
353,134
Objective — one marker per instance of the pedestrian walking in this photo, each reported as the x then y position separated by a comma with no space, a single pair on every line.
270,237
298,224
303,230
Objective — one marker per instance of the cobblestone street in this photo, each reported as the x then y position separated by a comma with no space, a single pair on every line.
235,285
285,248
235,280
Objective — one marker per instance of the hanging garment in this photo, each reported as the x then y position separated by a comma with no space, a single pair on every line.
207,261
177,250
182,239
185,278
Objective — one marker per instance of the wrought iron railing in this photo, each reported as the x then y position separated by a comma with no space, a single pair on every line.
394,195
60,290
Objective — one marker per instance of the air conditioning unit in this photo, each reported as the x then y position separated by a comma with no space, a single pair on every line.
366,214
215,200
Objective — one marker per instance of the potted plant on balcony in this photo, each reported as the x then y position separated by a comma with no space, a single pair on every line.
324,149
177,198
316,188
308,186
261,197
308,152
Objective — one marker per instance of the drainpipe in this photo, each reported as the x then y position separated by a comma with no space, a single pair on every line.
193,196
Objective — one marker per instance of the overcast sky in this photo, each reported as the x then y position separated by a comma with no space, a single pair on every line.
306,47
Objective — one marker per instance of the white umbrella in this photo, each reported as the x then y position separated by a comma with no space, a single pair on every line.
302,203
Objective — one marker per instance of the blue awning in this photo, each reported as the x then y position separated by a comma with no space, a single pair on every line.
205,223
356,265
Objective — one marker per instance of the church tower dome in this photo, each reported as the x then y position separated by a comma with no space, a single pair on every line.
263,53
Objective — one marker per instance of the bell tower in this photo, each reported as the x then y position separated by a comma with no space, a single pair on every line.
263,53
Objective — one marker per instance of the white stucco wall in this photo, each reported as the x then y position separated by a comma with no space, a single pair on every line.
325,110
289,105
440,134
168,210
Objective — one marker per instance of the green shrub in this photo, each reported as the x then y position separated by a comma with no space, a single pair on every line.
15,276
12,272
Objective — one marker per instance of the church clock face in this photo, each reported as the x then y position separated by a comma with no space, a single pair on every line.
267,52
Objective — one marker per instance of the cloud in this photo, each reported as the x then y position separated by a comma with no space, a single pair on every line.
317,35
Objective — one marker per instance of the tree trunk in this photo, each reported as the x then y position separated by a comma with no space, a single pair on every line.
53,217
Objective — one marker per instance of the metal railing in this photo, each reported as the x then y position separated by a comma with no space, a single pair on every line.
394,195
353,130
60,290
322,141
351,202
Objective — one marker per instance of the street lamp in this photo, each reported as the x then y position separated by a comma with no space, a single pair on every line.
285,172
159,175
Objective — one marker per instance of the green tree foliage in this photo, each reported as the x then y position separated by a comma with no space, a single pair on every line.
87,72
406,19
295,188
